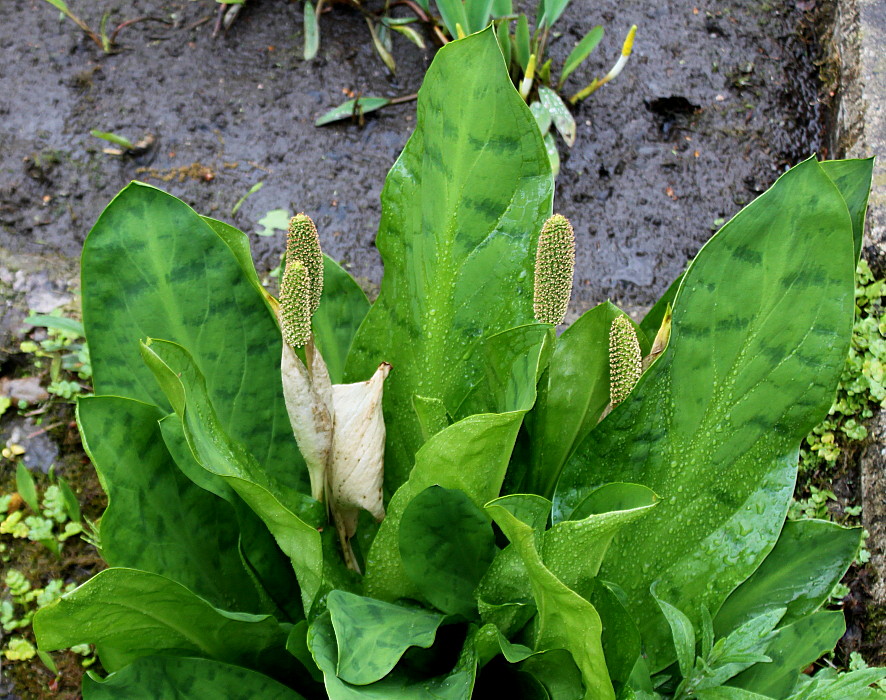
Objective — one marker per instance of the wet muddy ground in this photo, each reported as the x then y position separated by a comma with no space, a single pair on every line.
717,100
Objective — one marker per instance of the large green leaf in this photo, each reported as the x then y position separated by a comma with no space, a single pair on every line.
461,212
342,309
152,267
397,685
565,619
760,331
153,677
853,179
372,635
128,614
471,455
191,531
270,568
808,560
446,545
292,517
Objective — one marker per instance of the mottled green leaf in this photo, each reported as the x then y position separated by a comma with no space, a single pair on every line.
620,636
372,635
152,267
542,117
853,179
129,614
444,461
293,518
808,560
565,619
397,685
760,330
270,569
153,677
563,119
598,519
462,209
191,531
446,545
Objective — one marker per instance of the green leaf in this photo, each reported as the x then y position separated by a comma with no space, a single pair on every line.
452,12
68,326
502,8
597,519
724,692
552,11
853,179
563,119
24,484
760,331
553,153
110,137
372,635
557,672
191,531
151,267
809,559
342,309
446,545
682,633
515,359
351,108
397,685
129,614
565,619
503,35
410,34
571,395
72,504
620,636
154,677
653,319
442,461
292,517
542,117
582,50
312,31
432,415
792,649
851,685
477,13
462,209
521,42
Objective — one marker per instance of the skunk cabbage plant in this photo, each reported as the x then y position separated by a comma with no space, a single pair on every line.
436,495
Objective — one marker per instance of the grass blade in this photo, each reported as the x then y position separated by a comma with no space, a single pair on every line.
582,50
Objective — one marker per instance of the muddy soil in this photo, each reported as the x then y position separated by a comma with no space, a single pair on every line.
718,99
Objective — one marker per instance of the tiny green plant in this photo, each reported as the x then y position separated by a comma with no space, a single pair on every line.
436,495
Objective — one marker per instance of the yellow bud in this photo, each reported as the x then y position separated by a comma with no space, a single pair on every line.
295,303
303,243
554,266
625,361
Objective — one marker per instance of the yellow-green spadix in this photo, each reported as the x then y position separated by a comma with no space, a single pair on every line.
554,266
625,359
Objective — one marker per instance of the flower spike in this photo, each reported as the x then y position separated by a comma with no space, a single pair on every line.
303,243
554,266
625,360
295,303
